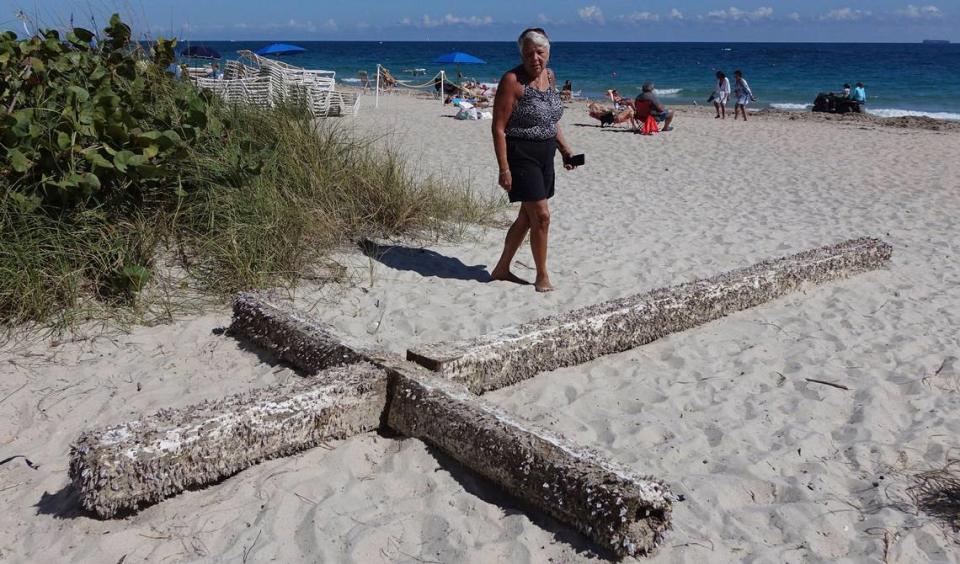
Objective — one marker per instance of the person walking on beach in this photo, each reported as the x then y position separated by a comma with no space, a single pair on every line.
744,95
721,94
526,136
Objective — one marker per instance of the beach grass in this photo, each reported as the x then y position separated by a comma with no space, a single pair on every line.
258,202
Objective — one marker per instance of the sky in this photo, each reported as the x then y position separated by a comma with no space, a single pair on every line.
502,20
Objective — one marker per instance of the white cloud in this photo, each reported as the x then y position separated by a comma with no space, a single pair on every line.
542,19
448,20
734,14
845,15
676,14
794,17
639,17
309,25
591,14
920,12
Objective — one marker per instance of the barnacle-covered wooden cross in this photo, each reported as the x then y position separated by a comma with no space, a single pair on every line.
433,395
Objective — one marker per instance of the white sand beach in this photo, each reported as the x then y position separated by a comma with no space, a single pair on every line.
772,467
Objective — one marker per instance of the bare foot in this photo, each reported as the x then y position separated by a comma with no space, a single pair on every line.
507,277
543,285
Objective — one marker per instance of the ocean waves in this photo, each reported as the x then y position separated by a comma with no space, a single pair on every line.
893,113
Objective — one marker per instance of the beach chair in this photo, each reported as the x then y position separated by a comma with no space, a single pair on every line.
253,91
348,103
643,119
320,102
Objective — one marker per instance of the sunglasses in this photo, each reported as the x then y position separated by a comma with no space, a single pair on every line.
536,29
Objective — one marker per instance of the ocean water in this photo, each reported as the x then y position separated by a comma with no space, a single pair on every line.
901,79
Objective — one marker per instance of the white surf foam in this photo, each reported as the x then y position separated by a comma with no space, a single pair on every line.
893,112
349,80
791,107
667,92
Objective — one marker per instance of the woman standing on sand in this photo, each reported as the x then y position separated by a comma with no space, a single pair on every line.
526,137
720,95
744,95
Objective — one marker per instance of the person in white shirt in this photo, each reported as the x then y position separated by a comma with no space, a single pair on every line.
744,95
720,95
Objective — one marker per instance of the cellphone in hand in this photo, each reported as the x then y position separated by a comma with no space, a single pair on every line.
575,160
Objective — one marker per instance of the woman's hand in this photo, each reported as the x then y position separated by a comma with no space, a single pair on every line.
567,153
505,180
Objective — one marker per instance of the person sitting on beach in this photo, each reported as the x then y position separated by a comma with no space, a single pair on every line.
860,94
608,116
526,138
744,95
845,93
720,95
619,102
660,112
215,72
567,91
387,80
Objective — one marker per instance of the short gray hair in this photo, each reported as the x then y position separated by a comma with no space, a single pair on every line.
535,37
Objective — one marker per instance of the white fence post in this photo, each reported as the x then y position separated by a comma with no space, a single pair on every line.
377,103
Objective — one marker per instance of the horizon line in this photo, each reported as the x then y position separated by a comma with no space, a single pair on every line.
918,42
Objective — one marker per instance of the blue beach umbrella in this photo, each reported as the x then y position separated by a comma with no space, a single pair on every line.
458,58
280,49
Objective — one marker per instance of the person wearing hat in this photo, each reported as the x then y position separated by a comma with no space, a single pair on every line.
660,112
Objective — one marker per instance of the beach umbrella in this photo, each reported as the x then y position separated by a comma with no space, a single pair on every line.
201,52
458,58
280,49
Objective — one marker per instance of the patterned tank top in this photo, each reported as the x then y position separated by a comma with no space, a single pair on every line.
535,115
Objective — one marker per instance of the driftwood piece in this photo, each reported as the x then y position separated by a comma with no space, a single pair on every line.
623,512
620,510
120,468
288,334
513,354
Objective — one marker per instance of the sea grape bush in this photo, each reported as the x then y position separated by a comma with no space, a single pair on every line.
90,120
122,185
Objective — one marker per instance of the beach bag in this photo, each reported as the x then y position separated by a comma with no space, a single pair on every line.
650,126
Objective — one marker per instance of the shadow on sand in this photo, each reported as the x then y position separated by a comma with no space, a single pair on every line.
424,262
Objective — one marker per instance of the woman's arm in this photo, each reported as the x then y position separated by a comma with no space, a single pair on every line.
503,104
562,146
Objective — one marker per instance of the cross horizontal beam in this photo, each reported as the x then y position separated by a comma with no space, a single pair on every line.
514,354
120,468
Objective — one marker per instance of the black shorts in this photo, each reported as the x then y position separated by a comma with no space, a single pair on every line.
531,168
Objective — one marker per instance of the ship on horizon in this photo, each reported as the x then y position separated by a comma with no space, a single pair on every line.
936,42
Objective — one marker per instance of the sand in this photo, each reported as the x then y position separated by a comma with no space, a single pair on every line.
773,468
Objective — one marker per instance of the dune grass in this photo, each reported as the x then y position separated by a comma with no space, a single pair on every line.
258,203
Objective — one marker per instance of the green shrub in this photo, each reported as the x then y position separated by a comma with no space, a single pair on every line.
107,161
